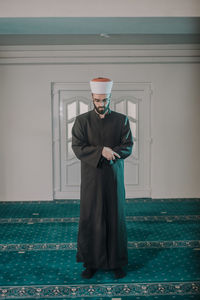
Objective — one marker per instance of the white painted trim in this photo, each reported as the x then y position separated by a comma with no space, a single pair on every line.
98,54
98,47
136,193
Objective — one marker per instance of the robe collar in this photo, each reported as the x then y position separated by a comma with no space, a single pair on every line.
107,113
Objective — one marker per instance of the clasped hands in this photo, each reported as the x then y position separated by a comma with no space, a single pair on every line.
108,153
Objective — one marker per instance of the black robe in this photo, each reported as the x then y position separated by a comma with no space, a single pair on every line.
102,234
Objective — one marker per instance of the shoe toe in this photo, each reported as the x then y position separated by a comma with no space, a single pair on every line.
119,273
88,273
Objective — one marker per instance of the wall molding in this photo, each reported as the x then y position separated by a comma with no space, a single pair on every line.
99,54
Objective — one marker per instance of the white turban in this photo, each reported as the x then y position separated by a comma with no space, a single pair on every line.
101,85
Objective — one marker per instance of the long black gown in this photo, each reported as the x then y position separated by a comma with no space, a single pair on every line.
102,233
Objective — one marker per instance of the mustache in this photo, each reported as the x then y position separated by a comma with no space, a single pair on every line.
101,109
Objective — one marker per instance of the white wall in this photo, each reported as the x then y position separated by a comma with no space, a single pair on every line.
95,8
25,103
26,133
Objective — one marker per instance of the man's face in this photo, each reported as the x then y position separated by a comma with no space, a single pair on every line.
101,102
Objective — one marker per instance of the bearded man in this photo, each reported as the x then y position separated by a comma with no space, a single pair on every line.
101,140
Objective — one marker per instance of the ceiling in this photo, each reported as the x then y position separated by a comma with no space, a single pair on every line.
99,30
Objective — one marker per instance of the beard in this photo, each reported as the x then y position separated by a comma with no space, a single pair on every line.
100,110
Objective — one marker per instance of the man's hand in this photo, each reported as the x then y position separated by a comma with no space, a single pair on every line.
109,153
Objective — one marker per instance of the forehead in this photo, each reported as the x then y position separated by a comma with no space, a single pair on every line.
100,96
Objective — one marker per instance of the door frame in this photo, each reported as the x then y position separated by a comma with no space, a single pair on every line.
143,87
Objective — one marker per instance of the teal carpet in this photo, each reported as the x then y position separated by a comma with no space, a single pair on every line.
38,248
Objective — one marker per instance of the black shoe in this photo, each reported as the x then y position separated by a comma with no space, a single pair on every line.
88,273
119,273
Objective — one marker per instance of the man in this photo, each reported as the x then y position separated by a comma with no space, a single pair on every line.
102,139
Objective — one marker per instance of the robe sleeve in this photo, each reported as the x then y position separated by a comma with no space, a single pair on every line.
124,149
88,153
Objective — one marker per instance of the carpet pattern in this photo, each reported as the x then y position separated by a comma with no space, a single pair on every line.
38,247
